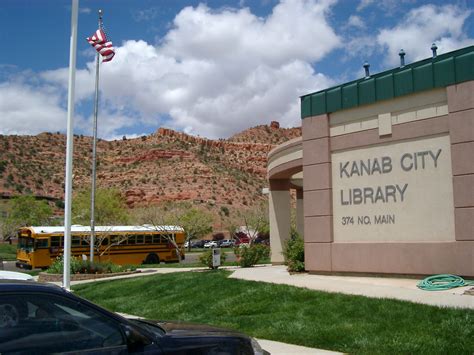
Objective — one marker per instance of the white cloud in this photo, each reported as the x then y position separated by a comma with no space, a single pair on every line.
356,22
363,4
423,26
27,110
215,72
146,15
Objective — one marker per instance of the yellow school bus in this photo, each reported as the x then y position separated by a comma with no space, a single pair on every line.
38,247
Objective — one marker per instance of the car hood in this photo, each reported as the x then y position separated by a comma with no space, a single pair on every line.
176,328
191,338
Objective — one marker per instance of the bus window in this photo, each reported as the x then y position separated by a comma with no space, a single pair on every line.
156,239
75,241
148,239
41,243
140,239
25,244
55,241
131,239
105,242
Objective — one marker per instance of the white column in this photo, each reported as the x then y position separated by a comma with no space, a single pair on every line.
279,203
299,213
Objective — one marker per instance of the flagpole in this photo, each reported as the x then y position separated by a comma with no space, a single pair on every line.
94,144
69,147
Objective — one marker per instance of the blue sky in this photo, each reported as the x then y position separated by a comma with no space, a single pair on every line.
208,68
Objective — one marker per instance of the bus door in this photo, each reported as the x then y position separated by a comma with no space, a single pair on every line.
41,256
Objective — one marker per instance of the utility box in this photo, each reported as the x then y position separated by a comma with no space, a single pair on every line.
216,258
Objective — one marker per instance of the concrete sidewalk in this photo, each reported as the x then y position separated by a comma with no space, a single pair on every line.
377,287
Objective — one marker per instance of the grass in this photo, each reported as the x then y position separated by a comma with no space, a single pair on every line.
7,251
352,324
196,264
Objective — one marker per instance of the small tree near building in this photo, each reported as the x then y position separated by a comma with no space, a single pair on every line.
255,222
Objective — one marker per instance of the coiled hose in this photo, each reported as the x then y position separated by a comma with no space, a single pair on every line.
442,282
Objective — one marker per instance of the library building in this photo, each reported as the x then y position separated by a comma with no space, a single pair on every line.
383,172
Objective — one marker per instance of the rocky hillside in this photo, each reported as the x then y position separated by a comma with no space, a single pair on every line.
163,166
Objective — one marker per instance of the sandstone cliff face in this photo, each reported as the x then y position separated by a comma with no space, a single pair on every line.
164,166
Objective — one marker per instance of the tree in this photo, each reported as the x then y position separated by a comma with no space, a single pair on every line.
158,216
195,222
255,222
99,239
110,207
26,211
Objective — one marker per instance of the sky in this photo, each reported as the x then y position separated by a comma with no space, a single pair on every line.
207,68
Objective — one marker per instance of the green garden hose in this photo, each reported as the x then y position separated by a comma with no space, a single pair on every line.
443,282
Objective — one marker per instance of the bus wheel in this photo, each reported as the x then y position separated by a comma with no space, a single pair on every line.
152,259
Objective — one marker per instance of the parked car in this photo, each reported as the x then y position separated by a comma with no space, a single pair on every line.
13,275
44,318
242,240
211,244
226,243
198,243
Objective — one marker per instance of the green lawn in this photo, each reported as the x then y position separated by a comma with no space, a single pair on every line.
7,251
289,314
196,264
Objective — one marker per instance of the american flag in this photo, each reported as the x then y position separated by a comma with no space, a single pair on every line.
102,45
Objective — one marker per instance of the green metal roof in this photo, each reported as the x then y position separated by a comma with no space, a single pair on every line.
444,70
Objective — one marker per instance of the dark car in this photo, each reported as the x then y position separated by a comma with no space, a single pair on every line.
198,243
38,318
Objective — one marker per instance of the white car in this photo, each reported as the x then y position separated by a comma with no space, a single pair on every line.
12,275
211,244
226,243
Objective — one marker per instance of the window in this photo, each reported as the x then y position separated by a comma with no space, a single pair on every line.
115,239
35,323
131,239
75,241
42,243
25,243
148,239
55,241
139,239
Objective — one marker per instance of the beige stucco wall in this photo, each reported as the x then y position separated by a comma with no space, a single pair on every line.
284,153
419,106
279,218
407,197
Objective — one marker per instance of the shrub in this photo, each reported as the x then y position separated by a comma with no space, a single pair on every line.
79,266
206,258
294,253
248,256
